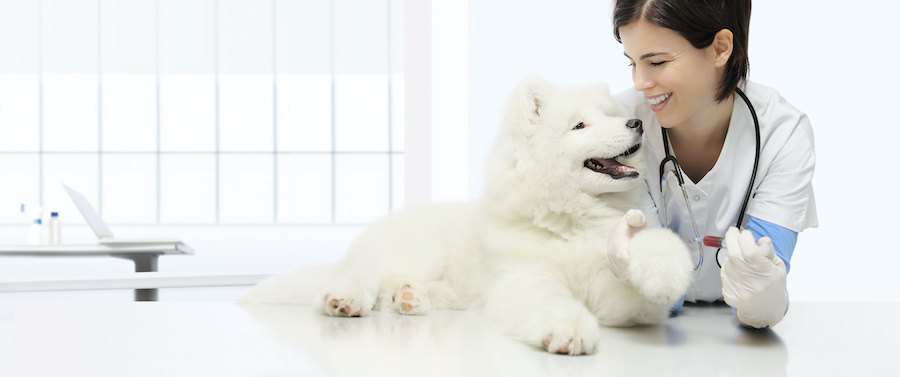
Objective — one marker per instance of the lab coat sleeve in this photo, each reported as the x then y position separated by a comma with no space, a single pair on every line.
784,195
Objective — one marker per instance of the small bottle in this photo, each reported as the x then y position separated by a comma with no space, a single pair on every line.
24,214
35,234
53,229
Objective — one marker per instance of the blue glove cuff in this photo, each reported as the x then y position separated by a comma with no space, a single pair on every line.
783,239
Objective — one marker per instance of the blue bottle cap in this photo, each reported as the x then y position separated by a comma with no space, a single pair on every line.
54,214
37,221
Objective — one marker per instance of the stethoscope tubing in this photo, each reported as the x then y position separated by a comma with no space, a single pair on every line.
677,168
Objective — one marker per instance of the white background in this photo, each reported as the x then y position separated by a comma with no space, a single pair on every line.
836,61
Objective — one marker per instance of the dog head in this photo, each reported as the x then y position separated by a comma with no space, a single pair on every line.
564,150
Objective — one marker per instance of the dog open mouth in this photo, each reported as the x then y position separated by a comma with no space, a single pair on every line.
612,167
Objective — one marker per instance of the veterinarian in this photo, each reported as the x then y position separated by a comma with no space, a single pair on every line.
745,155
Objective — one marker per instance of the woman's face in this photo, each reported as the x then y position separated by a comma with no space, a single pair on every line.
679,81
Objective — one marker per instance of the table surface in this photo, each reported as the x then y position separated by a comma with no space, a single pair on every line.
74,250
224,339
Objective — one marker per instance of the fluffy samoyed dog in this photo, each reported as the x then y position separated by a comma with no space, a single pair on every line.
531,255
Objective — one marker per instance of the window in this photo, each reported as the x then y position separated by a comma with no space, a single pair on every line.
203,112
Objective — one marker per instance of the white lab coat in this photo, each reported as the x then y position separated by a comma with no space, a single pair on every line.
782,193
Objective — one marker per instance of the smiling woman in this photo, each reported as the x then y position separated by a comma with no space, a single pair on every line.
689,63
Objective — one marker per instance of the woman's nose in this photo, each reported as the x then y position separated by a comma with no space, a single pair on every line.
641,81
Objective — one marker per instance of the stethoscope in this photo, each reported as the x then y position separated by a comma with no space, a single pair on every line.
677,169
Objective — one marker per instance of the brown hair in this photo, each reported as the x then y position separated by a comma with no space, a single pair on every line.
698,21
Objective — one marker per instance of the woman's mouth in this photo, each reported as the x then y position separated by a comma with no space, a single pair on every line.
657,103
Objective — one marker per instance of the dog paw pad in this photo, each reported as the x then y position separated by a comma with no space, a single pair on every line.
341,307
635,218
567,345
408,300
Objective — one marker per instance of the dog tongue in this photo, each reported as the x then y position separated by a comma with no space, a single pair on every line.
614,168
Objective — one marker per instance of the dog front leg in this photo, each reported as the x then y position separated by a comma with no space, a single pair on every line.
537,308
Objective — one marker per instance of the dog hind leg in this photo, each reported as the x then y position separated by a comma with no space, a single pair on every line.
403,295
349,297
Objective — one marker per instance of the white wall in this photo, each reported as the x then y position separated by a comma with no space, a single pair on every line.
437,72
835,62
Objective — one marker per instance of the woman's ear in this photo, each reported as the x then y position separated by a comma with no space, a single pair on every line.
722,47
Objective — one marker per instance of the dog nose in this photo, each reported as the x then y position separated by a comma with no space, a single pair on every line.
635,124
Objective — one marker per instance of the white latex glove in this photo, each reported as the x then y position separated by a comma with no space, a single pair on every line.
754,279
619,237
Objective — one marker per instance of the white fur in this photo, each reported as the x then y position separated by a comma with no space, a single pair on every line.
531,254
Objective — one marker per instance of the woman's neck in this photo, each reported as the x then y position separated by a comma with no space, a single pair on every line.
706,129
699,142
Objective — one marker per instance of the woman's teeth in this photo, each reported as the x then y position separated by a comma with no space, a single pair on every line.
659,99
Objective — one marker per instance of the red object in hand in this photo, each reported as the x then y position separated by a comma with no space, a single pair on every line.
713,241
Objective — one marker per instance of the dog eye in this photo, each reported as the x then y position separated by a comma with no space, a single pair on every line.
579,126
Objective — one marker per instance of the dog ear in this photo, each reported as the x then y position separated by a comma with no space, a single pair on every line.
533,91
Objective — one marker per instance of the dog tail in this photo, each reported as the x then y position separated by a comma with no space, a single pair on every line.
297,287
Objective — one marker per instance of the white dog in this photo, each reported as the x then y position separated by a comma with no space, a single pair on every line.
532,253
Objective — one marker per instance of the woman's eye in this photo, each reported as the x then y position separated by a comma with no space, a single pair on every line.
658,64
579,126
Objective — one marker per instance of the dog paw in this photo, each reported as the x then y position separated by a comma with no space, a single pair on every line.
575,337
410,300
619,241
661,267
335,306
635,218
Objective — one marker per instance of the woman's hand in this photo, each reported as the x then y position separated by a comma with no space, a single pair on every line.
754,280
